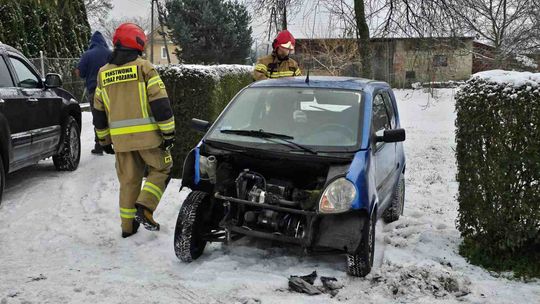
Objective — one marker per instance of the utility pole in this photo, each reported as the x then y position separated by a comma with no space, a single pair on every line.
161,17
152,33
284,21
272,19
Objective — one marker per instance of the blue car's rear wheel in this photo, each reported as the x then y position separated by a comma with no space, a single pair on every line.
189,243
360,263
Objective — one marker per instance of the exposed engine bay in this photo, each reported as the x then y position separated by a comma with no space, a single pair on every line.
279,197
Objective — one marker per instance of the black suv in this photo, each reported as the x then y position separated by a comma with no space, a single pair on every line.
38,119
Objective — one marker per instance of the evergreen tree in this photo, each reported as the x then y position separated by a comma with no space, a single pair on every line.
68,23
13,25
34,37
59,28
50,23
210,31
82,26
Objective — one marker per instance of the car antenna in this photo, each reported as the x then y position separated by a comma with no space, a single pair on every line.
309,68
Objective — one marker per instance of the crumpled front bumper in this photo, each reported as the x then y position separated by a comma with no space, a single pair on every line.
332,231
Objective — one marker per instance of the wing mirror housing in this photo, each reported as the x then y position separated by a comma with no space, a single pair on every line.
200,125
392,136
53,80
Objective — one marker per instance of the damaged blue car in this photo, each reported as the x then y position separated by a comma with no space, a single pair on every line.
313,162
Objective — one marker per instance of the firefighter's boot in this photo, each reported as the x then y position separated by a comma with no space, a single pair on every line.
135,227
145,218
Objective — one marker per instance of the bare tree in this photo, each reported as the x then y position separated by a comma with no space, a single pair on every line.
279,10
96,10
509,26
356,17
108,27
334,56
363,38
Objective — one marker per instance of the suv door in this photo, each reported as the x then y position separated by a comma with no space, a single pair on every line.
384,153
15,109
44,105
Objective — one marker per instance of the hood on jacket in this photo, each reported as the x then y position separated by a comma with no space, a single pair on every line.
121,56
98,40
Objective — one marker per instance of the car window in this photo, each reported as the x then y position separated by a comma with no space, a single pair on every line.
5,77
390,109
322,118
27,79
380,116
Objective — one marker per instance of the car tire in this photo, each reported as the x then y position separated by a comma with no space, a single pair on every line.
2,178
190,227
70,155
360,263
395,210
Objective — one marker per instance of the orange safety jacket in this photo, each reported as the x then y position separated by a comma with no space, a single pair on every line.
271,67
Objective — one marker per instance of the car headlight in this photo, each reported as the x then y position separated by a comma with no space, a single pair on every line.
338,196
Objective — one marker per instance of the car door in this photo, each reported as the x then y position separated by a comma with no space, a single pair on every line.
15,109
384,153
44,106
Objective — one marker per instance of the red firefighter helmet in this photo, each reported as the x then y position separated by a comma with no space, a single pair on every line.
129,35
284,39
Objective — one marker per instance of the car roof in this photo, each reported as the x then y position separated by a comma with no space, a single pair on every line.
4,49
326,82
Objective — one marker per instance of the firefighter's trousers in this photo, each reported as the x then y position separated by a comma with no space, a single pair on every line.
130,167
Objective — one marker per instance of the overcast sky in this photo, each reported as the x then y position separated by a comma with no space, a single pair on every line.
300,25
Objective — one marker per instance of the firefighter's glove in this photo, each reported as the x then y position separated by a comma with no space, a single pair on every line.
108,149
168,141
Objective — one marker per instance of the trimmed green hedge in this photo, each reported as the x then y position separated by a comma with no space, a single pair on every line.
498,160
199,92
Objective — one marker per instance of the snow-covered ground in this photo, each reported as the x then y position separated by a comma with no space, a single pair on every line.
60,239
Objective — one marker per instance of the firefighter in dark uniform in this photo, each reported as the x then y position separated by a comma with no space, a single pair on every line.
133,117
278,64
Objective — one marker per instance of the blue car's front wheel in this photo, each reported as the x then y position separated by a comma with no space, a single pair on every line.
189,242
359,264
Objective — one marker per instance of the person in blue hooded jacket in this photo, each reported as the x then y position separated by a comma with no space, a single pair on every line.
91,61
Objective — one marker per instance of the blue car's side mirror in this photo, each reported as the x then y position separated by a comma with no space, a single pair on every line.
200,125
392,136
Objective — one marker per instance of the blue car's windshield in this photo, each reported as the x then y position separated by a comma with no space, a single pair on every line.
321,119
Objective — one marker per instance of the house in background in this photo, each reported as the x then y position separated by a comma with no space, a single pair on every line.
404,61
160,54
399,61
484,59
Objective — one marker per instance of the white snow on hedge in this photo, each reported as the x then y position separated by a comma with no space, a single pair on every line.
214,71
512,78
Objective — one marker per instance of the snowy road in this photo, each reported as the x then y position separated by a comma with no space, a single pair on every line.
60,239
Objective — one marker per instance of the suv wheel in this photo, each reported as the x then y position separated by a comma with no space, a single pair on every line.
395,210
70,155
2,178
360,263
190,227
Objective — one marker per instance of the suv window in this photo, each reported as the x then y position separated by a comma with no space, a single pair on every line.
5,77
27,79
390,109
380,117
